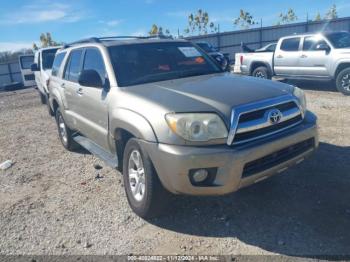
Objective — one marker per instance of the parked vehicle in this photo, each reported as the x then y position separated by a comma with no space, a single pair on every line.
321,56
267,48
41,67
171,120
25,62
222,59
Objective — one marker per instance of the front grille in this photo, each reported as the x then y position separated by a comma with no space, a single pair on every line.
270,129
29,77
256,124
260,113
277,158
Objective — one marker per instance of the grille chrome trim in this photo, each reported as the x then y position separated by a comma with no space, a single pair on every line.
237,128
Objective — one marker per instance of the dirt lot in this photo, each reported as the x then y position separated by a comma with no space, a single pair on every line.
52,202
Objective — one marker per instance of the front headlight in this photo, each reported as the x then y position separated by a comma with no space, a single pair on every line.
197,126
300,95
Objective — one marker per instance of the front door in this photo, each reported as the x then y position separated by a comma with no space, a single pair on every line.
92,107
286,59
313,61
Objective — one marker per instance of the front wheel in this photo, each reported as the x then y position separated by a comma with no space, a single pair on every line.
343,81
146,195
262,72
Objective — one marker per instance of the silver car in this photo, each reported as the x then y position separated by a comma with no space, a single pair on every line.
165,114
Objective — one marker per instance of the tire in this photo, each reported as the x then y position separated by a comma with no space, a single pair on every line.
65,133
42,98
261,72
49,109
343,81
146,195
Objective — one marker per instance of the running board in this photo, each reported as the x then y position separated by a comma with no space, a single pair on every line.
92,147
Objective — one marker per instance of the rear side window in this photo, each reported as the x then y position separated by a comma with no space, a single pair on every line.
290,44
73,66
311,43
93,60
57,63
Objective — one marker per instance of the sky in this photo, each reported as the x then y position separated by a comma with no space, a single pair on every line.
22,22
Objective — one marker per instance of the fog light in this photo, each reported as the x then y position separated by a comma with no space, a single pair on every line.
200,175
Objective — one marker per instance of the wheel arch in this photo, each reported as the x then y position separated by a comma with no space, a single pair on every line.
341,66
255,65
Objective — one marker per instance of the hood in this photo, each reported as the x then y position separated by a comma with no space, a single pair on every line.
208,93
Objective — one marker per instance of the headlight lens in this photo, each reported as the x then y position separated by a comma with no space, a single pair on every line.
300,95
197,126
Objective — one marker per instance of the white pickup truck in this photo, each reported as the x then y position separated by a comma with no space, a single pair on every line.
318,56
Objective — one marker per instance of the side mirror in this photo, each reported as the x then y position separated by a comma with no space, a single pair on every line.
323,47
90,78
34,67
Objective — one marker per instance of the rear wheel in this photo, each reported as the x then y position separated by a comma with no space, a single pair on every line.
42,98
146,195
343,81
64,132
261,72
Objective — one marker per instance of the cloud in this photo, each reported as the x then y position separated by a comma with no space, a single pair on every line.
15,46
41,12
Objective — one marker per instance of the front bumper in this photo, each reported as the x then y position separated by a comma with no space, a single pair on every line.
173,163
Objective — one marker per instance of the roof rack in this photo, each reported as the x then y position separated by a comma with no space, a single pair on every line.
111,38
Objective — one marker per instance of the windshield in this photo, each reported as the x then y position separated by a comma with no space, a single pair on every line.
26,61
143,63
48,56
206,47
339,40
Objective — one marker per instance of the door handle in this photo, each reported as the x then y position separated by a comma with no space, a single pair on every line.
63,85
279,56
303,56
80,91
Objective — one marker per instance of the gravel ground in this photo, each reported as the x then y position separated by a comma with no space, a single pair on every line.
53,202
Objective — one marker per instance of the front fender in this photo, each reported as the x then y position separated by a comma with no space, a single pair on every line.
134,123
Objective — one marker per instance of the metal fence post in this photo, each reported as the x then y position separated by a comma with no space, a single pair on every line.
261,32
218,38
10,72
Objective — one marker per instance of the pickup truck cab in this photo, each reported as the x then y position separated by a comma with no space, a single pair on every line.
166,115
41,68
321,56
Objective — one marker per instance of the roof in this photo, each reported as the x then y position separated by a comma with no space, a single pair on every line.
123,40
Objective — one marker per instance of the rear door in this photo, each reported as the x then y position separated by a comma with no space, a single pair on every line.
286,60
70,86
28,77
92,109
314,62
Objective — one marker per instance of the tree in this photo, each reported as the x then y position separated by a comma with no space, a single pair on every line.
158,30
287,18
45,41
318,17
199,22
332,13
245,20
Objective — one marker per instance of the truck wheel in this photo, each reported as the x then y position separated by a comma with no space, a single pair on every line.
146,195
42,98
262,72
64,132
343,81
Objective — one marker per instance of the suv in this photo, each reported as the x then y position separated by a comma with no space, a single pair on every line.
171,120
41,67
